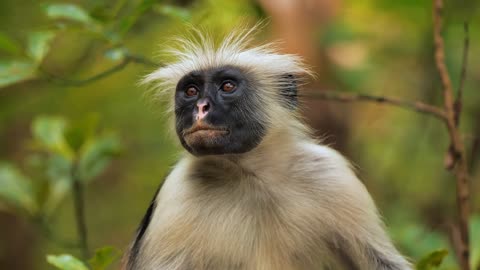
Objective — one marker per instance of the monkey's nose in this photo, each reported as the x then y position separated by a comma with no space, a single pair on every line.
203,106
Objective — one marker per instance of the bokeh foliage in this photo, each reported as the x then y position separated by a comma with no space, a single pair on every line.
49,48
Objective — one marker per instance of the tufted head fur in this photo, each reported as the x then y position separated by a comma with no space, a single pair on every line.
270,80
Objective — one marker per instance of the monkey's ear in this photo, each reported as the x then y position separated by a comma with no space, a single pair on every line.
289,90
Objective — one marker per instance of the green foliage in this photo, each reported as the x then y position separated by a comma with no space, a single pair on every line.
49,133
39,45
475,236
68,11
71,151
432,260
96,154
103,258
128,21
15,71
400,154
8,45
16,189
18,70
174,12
66,262
116,54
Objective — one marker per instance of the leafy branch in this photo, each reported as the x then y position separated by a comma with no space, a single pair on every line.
128,58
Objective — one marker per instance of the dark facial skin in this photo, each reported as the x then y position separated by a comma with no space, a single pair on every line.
217,112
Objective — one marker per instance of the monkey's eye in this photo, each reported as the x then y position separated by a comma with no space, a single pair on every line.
228,86
191,91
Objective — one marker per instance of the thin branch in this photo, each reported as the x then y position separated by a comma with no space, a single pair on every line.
141,60
349,97
463,73
79,204
456,150
129,58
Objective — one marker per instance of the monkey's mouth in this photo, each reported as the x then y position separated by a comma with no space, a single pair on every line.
201,131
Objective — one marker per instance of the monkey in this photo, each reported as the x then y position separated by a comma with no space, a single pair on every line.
253,189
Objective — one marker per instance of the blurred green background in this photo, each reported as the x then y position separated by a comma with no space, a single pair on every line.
48,49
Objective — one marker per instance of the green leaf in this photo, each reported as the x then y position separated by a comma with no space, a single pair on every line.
49,132
116,54
66,262
58,171
104,257
83,129
174,12
9,45
432,260
16,189
16,71
96,155
68,11
127,23
39,45
475,234
58,190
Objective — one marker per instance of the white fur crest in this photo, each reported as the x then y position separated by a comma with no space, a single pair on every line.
199,51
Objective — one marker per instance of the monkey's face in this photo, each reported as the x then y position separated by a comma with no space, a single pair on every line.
218,112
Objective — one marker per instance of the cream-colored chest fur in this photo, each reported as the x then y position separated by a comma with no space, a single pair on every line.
265,213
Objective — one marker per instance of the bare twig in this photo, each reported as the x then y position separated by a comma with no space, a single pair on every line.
456,150
349,97
79,203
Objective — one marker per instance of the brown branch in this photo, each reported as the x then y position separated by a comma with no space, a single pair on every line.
463,74
456,150
349,97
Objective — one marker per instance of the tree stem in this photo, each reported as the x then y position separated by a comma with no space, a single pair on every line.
80,219
456,151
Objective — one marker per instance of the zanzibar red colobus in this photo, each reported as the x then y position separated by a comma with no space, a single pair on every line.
253,190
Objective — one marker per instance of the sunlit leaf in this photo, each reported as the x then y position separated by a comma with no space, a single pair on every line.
7,44
39,45
49,131
16,189
432,260
68,11
104,257
116,54
174,12
96,155
16,71
66,262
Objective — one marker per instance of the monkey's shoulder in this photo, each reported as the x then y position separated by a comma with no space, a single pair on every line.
320,161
